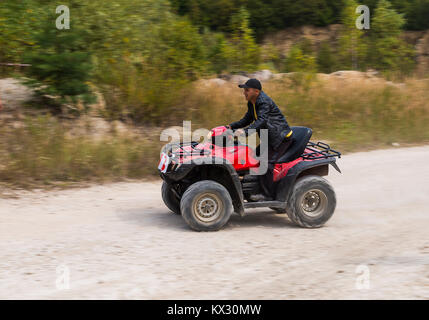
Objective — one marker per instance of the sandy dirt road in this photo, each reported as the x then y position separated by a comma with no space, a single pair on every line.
119,241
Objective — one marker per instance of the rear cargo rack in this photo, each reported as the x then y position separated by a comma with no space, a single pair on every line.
319,150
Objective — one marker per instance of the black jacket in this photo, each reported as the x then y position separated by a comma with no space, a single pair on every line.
265,115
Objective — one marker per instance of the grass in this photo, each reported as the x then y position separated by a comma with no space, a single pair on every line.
41,153
351,115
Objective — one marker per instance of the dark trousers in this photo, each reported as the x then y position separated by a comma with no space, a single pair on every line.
266,180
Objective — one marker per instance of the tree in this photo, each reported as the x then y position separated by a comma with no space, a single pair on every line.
265,16
416,13
19,22
178,51
219,51
352,45
245,55
298,60
387,51
325,58
60,64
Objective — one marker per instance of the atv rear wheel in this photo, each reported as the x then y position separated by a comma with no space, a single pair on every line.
206,206
169,198
312,202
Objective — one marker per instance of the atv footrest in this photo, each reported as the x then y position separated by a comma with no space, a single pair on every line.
263,204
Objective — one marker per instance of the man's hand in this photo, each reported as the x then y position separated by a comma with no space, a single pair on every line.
239,132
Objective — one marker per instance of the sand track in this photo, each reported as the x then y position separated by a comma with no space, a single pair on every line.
120,241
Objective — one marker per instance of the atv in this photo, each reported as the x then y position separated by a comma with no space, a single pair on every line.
207,182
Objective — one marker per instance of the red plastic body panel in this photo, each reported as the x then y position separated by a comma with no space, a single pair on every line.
241,157
281,169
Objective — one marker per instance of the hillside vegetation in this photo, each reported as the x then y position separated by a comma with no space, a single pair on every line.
147,63
351,114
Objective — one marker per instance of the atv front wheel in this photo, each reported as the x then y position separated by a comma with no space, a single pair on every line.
206,206
312,202
169,198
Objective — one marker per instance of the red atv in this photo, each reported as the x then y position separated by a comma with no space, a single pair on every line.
207,182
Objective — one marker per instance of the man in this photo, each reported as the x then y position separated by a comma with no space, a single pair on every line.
263,113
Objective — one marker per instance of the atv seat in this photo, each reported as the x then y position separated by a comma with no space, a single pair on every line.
300,138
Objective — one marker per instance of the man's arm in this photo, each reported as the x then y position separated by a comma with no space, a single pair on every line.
245,121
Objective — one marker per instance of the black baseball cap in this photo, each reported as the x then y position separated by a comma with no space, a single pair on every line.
252,83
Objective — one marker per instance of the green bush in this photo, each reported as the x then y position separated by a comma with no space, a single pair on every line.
297,60
352,46
387,51
60,64
243,54
325,58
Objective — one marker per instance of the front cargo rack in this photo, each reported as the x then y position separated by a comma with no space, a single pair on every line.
319,150
177,149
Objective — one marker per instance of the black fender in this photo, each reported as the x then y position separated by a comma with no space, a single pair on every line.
213,168
284,186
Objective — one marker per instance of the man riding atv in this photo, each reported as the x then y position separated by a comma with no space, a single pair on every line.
207,181
264,114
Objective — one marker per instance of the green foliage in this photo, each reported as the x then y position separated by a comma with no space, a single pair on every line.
299,60
150,80
352,46
219,51
416,14
142,56
243,54
178,51
265,16
19,21
271,57
386,22
325,58
214,14
388,52
380,47
123,43
60,64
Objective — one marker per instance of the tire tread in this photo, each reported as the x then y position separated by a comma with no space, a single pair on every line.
190,193
291,203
